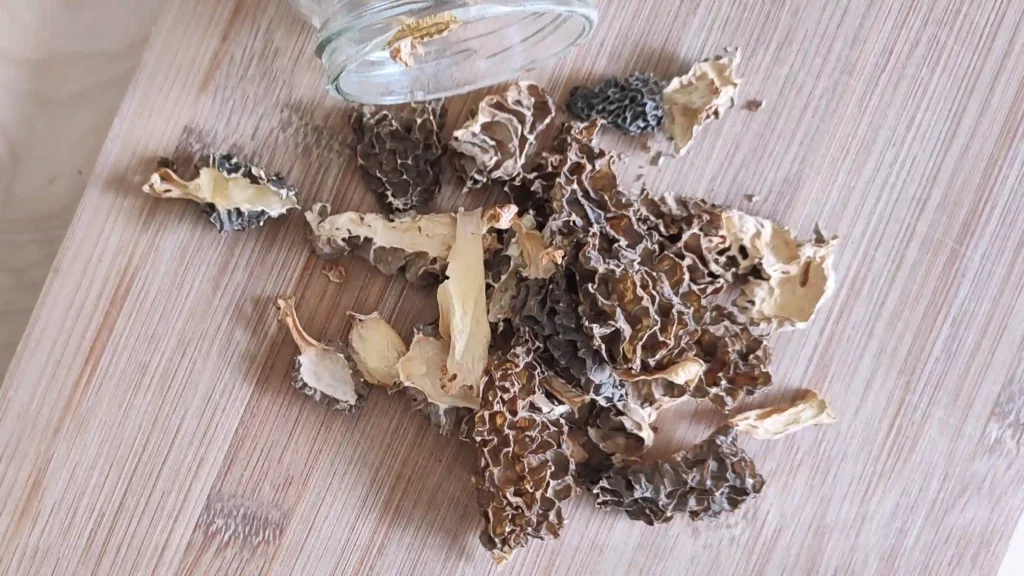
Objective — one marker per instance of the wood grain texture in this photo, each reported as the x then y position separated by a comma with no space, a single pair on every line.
64,68
146,424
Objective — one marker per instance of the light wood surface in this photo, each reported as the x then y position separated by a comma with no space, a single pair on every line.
147,426
64,68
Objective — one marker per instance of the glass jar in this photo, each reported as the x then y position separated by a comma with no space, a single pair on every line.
482,43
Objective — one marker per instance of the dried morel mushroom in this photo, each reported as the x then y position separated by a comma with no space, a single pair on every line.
526,470
637,273
703,94
417,370
713,477
790,280
400,153
633,105
421,372
321,371
417,246
775,422
462,299
376,348
237,196
498,141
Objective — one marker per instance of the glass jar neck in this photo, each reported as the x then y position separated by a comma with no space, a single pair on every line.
490,41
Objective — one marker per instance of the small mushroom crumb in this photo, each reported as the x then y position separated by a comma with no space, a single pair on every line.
335,273
405,51
753,105
414,34
657,159
751,198
236,196
322,372
703,94
778,421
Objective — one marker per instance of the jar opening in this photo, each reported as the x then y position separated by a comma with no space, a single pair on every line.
493,42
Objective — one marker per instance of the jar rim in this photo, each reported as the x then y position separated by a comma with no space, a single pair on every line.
498,39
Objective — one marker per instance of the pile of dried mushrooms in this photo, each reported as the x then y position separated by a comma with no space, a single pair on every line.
570,317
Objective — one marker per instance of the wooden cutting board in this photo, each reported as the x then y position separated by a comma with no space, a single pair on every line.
147,424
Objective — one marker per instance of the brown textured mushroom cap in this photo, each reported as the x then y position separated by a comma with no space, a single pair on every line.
400,153
525,468
710,478
237,196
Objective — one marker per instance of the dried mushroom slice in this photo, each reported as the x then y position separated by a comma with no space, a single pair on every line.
420,374
525,468
775,422
792,293
417,246
787,281
462,300
711,478
237,196
322,372
703,94
376,348
499,140
400,153
633,105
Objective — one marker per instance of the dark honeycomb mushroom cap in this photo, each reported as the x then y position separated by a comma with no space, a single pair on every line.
400,153
711,478
632,105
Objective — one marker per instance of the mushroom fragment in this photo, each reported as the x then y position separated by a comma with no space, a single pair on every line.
525,466
775,422
632,105
321,371
420,376
701,95
525,255
237,196
400,152
499,140
786,281
376,348
713,477
417,246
